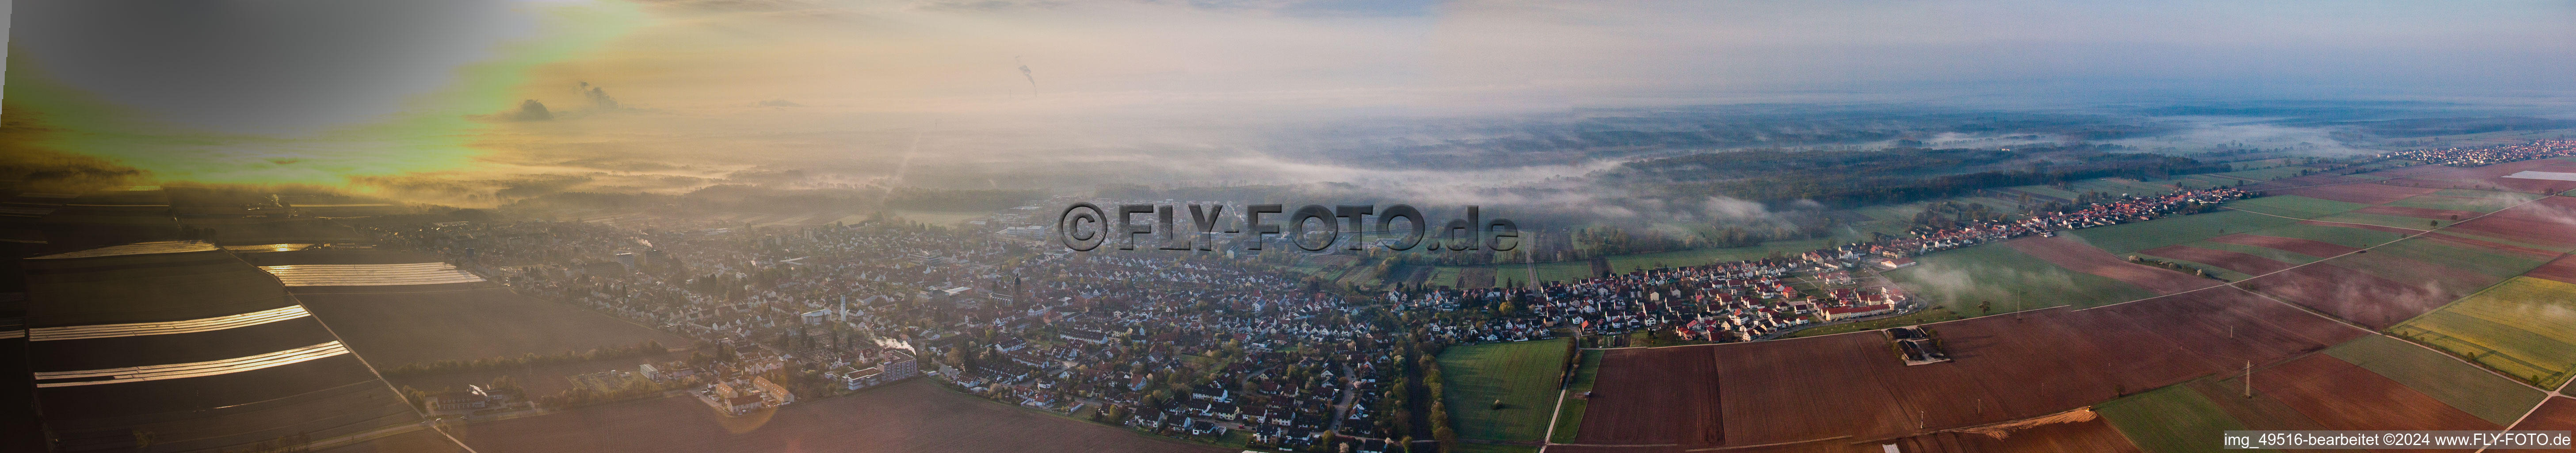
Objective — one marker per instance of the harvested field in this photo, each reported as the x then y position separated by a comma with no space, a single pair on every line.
2348,235
2468,242
2452,270
2294,206
2308,247
397,328
2005,368
2084,258
2559,414
2520,328
2562,269
2466,200
1655,396
2461,385
2421,213
2548,222
915,416
2341,395
2364,193
2239,262
2353,295
2366,225
420,441
2094,435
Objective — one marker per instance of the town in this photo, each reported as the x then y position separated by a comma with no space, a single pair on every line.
1192,346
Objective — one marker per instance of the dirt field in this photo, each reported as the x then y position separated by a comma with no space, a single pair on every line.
2084,258
915,416
2353,295
2559,414
2341,395
2094,436
2421,213
2310,247
2563,269
2240,262
2365,226
2364,193
2005,368
2491,177
2547,222
396,328
1654,396
2492,245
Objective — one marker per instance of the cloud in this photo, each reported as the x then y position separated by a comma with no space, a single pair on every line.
531,110
598,97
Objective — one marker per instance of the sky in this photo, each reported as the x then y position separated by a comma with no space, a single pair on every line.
671,94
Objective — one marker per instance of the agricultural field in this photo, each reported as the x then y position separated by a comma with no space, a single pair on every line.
2132,237
2481,201
1523,376
2372,289
2294,206
1569,419
2546,223
2173,419
1655,396
2524,327
392,329
2004,368
2559,414
1998,275
2460,385
1936,314
2225,264
914,416
2383,220
2346,236
2086,259
2363,193
2340,395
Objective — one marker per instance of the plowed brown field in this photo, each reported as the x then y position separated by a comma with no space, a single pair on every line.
2084,258
2240,262
2309,247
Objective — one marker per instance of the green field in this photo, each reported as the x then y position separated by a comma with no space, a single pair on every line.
1959,279
2173,419
1569,419
2524,327
2214,271
2465,387
1523,375
2294,206
2345,236
2132,237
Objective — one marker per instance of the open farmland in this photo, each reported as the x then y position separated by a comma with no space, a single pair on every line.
1999,275
2173,419
2132,237
2006,368
2460,385
2353,295
2548,223
1655,396
2491,177
2340,395
2294,206
2481,201
396,328
2244,264
2345,235
914,416
1522,375
1569,417
2083,258
2521,327
2559,414
2562,269
2362,193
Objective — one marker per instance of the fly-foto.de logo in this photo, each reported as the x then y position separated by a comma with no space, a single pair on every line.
1314,228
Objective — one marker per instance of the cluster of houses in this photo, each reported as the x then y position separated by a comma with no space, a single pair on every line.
2485,155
